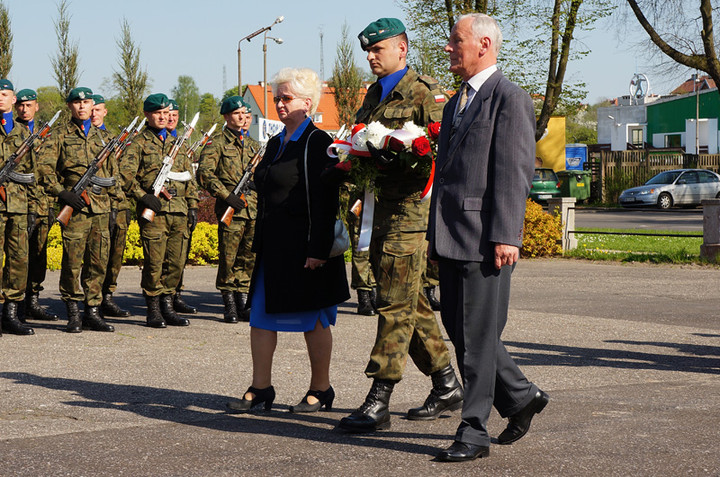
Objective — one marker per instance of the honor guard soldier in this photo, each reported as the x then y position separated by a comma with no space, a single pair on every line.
179,304
17,213
25,109
222,163
406,324
118,225
64,160
164,238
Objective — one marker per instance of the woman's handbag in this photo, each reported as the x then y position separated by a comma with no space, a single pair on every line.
341,241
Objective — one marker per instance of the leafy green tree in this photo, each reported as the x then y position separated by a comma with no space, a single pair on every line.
50,101
129,79
187,95
346,80
6,39
209,113
65,62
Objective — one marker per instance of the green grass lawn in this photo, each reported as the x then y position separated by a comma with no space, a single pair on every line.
635,248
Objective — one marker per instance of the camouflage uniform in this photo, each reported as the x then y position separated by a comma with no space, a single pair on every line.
221,167
64,158
37,245
166,237
21,199
406,324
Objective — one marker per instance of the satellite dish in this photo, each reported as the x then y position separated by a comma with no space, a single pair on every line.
639,86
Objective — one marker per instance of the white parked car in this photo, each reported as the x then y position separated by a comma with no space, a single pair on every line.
676,187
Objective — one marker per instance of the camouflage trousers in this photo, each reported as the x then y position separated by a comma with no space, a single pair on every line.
406,324
361,274
37,255
236,259
431,275
86,241
14,247
117,250
165,241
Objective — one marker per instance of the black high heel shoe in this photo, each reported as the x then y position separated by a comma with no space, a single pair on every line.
325,398
266,395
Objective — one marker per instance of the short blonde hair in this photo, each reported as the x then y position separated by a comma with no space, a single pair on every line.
304,82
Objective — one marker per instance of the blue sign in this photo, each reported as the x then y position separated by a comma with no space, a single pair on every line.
575,156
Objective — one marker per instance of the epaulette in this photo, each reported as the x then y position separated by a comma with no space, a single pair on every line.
428,80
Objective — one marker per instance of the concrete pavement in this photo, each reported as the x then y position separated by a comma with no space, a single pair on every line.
630,355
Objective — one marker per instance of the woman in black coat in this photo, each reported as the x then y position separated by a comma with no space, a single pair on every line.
296,286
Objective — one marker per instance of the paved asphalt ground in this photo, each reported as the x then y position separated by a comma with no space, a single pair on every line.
630,355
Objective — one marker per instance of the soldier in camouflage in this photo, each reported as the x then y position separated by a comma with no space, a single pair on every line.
64,158
165,238
179,304
222,163
25,109
17,212
406,324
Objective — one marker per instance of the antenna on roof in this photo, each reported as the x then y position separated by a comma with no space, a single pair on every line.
322,60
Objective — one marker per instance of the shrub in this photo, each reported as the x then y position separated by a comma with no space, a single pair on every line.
542,232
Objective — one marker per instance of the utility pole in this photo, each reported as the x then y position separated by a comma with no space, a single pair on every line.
322,57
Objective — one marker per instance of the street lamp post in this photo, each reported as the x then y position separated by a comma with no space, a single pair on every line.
248,38
279,42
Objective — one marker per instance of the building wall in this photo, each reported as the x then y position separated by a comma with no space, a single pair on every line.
668,116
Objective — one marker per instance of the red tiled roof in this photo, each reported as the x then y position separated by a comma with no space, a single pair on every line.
704,82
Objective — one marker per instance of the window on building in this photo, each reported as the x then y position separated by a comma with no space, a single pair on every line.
636,137
673,140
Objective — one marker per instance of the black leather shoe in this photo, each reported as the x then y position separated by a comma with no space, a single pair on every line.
230,314
180,306
264,396
154,317
365,306
11,323
168,312
74,324
461,452
374,414
110,308
324,398
93,321
446,395
519,424
35,311
432,299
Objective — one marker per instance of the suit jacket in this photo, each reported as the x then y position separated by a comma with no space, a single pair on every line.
483,173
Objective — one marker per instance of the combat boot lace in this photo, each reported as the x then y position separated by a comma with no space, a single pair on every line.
446,395
154,317
231,313
168,312
37,312
373,414
365,305
74,324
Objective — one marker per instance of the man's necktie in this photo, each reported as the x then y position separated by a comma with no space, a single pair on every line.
462,102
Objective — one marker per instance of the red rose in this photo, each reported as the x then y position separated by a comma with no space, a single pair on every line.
421,146
434,130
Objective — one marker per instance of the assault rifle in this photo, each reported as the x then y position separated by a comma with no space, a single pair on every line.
129,140
158,186
243,185
80,188
8,171
200,143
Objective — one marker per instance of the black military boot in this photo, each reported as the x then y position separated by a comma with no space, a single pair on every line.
180,306
110,308
154,317
35,311
430,295
374,414
365,306
73,313
240,301
446,395
93,321
168,313
231,312
10,322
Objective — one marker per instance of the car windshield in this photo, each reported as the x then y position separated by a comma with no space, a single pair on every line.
667,177
545,175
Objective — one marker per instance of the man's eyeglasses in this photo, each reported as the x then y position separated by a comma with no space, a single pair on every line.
285,98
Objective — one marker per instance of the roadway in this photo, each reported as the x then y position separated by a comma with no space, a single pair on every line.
684,220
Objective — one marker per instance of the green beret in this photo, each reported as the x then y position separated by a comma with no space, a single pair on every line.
78,94
155,102
6,84
98,99
173,105
232,103
26,95
380,30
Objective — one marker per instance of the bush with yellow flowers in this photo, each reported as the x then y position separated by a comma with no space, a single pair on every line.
542,232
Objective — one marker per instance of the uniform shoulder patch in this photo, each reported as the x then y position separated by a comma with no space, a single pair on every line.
439,98
428,80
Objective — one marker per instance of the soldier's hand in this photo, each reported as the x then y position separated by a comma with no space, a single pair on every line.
234,201
73,200
192,219
112,222
149,201
31,219
383,157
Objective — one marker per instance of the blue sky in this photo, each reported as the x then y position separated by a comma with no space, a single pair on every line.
199,38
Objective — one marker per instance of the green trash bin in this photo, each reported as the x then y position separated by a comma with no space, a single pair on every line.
575,184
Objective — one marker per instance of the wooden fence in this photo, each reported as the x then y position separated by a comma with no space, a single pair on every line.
614,171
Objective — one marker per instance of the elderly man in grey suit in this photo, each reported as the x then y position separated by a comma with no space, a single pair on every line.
483,175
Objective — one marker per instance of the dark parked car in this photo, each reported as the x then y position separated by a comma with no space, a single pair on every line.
676,187
545,185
